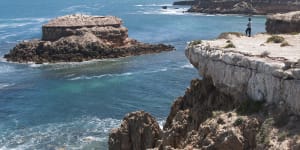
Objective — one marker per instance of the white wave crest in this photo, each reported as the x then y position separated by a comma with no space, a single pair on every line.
79,8
73,135
5,68
20,22
170,11
101,76
5,85
117,75
26,19
153,5
187,66
5,36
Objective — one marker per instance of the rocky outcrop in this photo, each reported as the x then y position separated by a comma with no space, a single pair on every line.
244,7
252,69
283,23
248,97
189,111
186,2
206,118
138,131
80,38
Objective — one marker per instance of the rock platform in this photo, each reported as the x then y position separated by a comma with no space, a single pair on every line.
253,68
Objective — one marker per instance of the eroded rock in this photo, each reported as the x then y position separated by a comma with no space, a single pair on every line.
138,131
79,38
283,23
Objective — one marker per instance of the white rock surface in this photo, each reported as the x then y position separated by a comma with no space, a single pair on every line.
242,72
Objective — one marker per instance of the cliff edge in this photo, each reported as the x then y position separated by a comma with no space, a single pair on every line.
253,67
248,97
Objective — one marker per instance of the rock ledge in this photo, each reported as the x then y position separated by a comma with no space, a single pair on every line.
254,68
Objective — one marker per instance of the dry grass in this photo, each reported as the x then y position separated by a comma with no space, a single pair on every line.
285,43
275,39
264,54
230,45
225,35
196,42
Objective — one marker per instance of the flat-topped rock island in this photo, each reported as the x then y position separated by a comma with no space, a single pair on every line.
80,38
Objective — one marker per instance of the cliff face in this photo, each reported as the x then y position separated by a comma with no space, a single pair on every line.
248,97
244,71
244,7
283,23
206,118
81,37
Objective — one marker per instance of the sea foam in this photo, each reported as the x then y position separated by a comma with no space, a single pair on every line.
73,135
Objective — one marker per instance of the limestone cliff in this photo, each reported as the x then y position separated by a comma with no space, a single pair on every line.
206,118
248,97
244,71
283,23
81,37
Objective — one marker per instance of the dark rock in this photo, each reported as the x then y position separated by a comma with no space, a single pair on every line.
187,2
138,131
283,23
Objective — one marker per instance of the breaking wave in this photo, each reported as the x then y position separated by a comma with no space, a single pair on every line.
186,66
71,135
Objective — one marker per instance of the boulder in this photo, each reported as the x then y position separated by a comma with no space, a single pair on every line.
283,23
138,131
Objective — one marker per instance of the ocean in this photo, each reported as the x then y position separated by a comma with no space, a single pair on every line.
74,105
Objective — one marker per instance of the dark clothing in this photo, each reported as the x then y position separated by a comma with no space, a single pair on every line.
248,32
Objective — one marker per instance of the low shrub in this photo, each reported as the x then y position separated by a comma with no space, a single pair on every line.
263,136
238,122
282,135
196,42
275,39
294,33
285,43
225,35
249,107
230,45
264,54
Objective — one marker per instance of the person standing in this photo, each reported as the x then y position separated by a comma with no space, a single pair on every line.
248,30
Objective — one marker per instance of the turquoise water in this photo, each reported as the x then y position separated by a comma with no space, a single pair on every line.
74,105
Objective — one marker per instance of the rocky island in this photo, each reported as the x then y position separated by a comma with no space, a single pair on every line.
248,7
79,38
248,98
